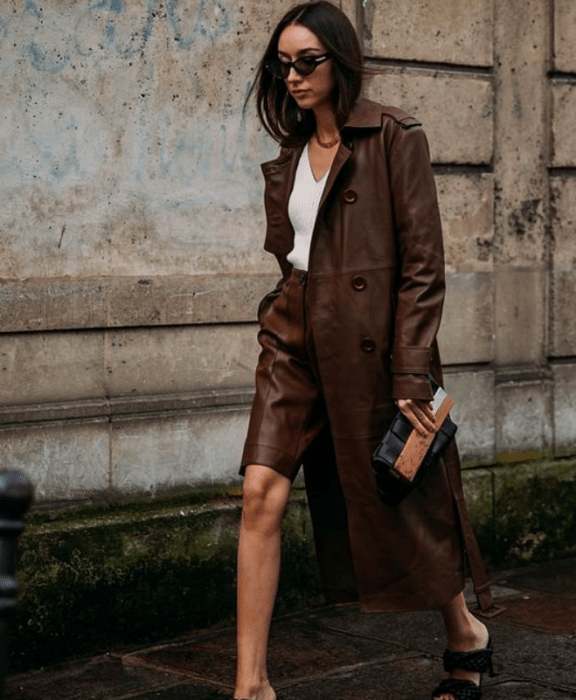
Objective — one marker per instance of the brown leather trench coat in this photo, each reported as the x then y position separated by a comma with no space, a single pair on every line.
374,299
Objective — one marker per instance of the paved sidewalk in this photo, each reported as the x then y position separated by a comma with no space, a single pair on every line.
337,654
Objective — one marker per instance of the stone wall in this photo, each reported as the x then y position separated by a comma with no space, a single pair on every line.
131,225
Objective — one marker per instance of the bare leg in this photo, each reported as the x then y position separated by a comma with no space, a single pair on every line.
465,633
265,499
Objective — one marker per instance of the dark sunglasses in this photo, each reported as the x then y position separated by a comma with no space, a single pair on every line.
303,66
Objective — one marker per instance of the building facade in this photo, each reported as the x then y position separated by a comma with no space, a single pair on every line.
131,227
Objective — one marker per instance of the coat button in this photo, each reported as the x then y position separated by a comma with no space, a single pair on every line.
350,196
368,345
359,283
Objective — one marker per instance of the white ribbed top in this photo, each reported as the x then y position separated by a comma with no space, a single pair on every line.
303,210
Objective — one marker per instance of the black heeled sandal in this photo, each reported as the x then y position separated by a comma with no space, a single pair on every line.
478,661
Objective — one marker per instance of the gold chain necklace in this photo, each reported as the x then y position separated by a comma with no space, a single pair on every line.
326,144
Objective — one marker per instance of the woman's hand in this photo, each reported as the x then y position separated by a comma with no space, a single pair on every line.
419,413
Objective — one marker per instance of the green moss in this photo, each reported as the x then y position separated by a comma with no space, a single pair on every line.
137,571
524,512
537,522
112,507
96,578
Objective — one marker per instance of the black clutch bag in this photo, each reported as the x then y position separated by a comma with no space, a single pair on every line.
402,459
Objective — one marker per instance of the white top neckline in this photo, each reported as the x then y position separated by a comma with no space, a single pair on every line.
303,209
310,166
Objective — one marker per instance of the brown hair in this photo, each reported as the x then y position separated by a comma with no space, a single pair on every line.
277,109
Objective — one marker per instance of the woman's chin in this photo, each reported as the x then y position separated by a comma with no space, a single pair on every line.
304,101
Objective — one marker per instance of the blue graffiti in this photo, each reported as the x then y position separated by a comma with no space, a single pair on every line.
46,61
127,48
208,22
51,61
4,31
206,26
32,9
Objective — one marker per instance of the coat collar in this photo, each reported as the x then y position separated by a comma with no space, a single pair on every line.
280,173
364,115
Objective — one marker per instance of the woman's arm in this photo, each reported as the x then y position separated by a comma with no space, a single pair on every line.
420,283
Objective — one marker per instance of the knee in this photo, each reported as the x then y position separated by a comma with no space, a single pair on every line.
265,495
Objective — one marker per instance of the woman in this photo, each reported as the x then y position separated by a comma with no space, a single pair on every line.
348,337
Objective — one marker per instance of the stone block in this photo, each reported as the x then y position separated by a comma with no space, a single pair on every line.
180,359
563,319
64,461
564,29
564,376
29,305
467,209
522,143
520,308
563,322
350,7
185,449
467,331
564,221
454,31
51,367
563,135
455,110
473,412
524,415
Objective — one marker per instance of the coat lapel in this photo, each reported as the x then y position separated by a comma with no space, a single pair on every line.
342,155
279,177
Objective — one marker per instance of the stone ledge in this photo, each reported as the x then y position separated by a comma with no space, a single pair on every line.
126,405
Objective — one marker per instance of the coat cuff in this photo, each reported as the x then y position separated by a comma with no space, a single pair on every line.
411,360
411,386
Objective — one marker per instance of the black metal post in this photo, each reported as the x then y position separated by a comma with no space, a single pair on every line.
16,495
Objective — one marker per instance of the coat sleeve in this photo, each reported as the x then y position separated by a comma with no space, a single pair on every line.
420,282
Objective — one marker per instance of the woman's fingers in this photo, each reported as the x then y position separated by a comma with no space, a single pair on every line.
419,413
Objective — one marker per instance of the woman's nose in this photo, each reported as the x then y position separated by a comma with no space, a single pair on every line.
292,75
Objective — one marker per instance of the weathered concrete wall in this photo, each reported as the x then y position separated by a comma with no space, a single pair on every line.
125,150
131,226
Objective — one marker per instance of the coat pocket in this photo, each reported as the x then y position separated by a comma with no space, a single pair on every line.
267,301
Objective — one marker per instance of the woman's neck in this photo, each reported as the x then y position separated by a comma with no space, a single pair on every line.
326,126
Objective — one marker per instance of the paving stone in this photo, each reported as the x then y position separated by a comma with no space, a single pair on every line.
184,691
549,613
557,577
522,690
534,656
422,631
101,678
409,678
335,653
296,651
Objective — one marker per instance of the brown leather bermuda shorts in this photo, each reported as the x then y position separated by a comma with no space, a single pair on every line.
288,411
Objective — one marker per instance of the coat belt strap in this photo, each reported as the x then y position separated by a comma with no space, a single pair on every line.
486,605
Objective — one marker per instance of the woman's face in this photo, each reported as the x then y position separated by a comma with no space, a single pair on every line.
311,91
